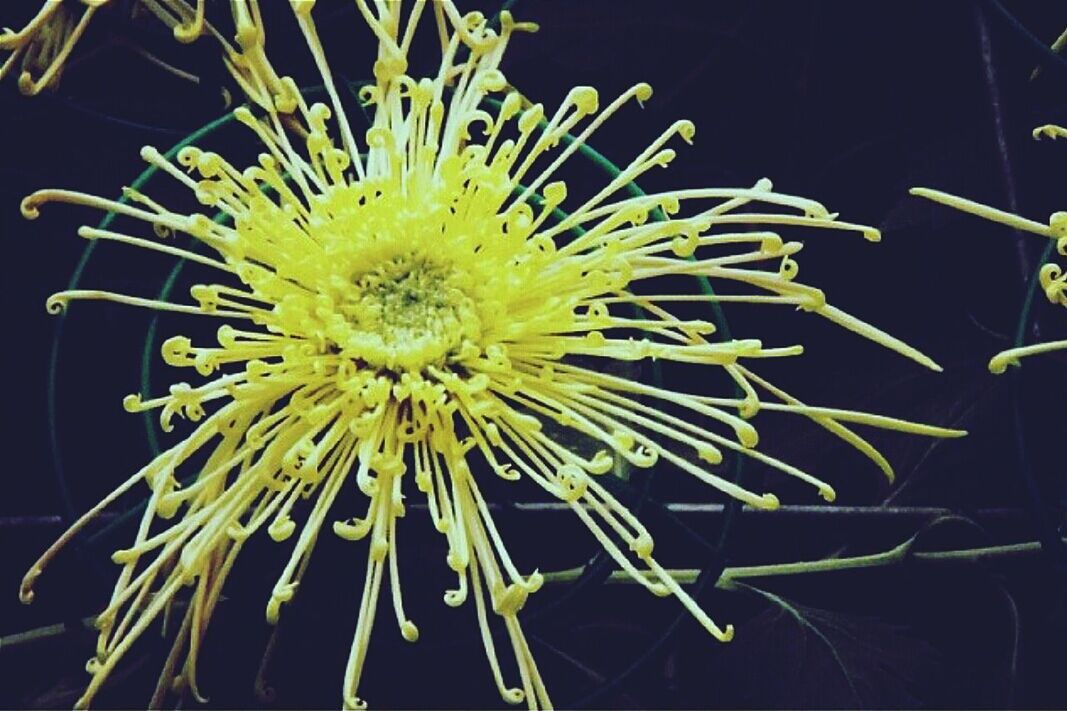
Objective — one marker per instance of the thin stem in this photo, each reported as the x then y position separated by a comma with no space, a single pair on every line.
38,633
977,554
893,556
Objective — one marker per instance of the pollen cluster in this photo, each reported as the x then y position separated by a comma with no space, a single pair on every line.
410,313
404,312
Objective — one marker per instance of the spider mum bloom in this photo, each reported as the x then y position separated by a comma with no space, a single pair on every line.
1052,277
45,43
405,312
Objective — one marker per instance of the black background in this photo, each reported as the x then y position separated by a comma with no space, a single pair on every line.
850,103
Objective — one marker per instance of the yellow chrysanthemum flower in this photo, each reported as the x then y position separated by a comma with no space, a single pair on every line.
1052,277
415,306
45,43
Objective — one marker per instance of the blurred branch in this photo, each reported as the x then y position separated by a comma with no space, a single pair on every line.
1043,54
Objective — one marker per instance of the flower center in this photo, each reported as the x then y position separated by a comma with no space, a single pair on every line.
409,312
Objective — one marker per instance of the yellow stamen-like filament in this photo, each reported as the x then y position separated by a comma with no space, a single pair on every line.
1000,362
1052,277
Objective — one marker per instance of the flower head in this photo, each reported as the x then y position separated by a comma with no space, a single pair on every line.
1052,277
404,311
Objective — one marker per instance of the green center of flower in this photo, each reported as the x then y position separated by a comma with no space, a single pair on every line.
410,312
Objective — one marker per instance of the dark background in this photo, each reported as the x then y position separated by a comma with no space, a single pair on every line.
844,102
